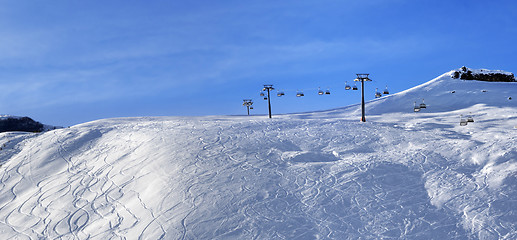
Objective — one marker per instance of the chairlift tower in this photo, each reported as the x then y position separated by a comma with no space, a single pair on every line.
361,77
268,87
248,103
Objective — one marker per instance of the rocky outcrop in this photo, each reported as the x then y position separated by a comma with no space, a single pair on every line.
20,124
483,75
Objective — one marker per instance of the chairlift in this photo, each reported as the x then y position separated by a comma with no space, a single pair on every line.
422,105
470,118
416,108
251,107
347,87
377,93
386,90
265,98
300,94
327,92
262,94
320,92
355,87
280,93
463,121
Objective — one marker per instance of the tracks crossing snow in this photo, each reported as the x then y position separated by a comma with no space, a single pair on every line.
219,179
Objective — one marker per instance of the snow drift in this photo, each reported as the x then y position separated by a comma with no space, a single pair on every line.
300,176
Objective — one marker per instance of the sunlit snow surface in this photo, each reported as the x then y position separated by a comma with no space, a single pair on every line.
301,176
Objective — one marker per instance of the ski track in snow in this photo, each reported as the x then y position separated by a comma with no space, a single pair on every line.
294,177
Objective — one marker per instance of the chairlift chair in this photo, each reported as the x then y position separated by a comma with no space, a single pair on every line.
354,87
320,92
470,118
300,94
386,91
262,94
463,121
347,87
377,93
281,93
327,92
422,105
416,108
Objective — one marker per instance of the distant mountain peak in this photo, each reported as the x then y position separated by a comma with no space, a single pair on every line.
483,75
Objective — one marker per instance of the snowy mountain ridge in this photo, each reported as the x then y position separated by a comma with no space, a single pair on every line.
323,175
447,94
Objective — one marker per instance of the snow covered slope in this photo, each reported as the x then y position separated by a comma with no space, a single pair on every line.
302,176
445,94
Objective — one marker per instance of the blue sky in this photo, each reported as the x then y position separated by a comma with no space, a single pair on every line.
68,62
